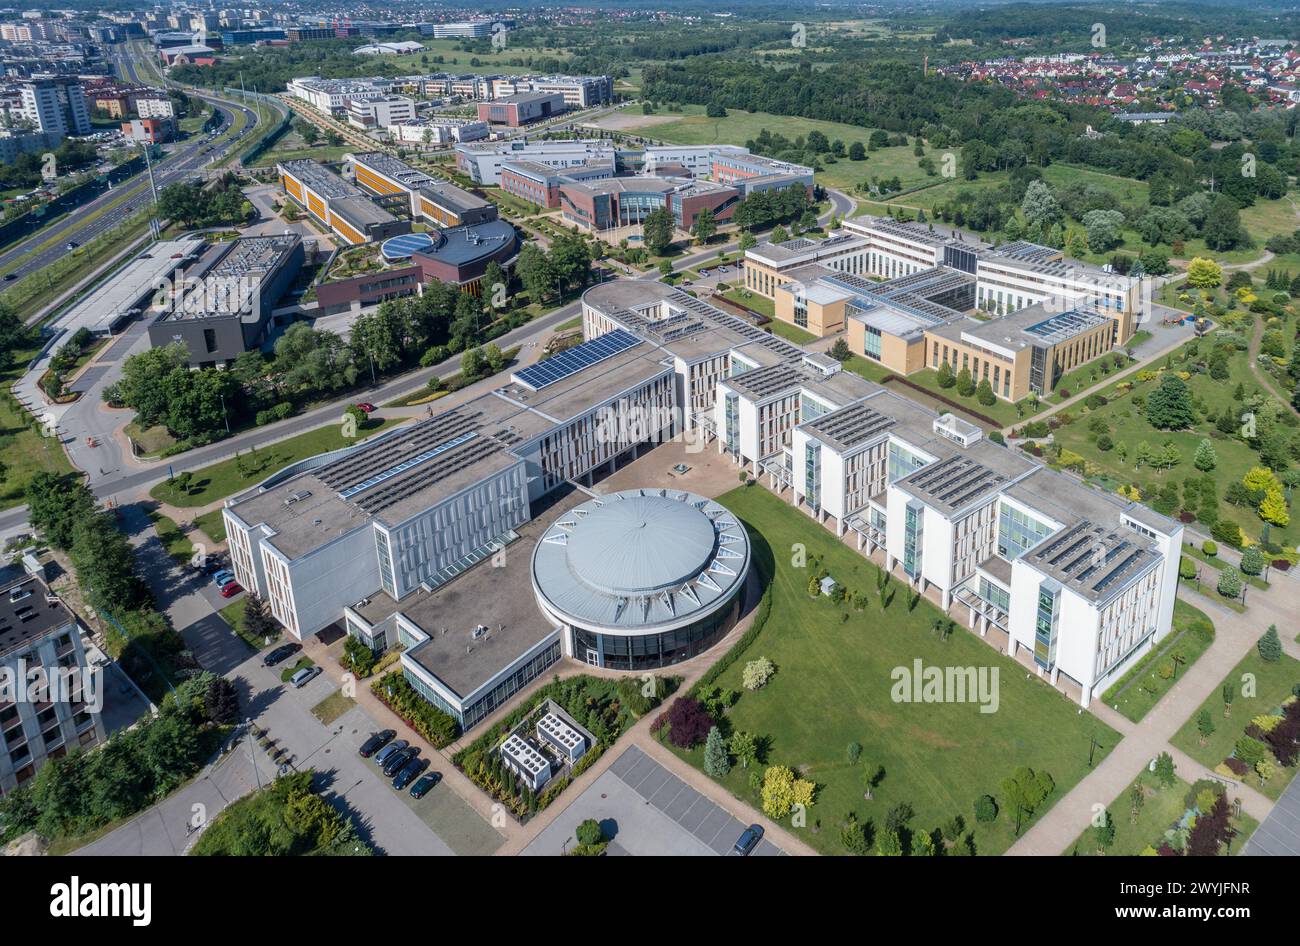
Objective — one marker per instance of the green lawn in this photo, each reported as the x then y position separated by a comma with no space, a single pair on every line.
332,707
23,450
226,478
1003,412
1139,690
233,614
178,545
1128,427
1162,808
302,663
1260,688
833,687
213,525
1218,564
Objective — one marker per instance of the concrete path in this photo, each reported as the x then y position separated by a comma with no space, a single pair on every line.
1235,635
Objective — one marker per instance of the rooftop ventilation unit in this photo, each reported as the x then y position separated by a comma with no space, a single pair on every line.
297,496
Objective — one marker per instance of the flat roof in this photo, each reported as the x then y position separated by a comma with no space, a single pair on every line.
30,617
464,244
233,286
320,178
125,291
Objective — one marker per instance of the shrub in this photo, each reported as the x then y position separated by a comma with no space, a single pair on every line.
1269,646
589,832
688,722
1209,548
756,673
986,809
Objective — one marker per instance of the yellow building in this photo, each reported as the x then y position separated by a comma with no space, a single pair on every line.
769,266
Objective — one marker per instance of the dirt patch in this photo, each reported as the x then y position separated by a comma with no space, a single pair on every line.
625,121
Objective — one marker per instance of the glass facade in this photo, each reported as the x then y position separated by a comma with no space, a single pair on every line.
485,705
902,462
1000,598
812,474
871,342
1018,532
913,534
810,408
732,408
385,564
649,651
1047,625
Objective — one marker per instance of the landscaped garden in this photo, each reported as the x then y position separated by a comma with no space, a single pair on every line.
1160,813
1195,437
1248,728
1135,693
809,707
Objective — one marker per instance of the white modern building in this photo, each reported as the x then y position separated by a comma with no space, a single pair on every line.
438,132
380,111
334,95
482,161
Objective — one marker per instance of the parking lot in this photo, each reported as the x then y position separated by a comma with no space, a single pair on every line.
647,811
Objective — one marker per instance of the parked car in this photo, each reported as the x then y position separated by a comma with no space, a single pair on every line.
303,677
386,753
407,773
367,407
747,841
281,654
230,589
399,759
223,577
424,783
376,742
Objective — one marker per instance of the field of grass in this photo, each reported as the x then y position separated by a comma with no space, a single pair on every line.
178,545
23,451
1260,687
1162,808
226,477
213,525
302,663
1139,690
833,684
332,707
1128,427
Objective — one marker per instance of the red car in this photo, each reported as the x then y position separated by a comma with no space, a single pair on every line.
231,589
367,407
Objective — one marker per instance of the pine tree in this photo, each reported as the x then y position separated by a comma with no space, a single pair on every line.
716,761
1205,459
1270,646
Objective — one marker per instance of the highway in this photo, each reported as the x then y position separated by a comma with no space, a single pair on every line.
187,158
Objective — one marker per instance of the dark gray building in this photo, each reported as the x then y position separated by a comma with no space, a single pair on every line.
226,306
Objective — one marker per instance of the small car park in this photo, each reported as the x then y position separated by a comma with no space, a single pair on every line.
281,654
424,783
407,773
376,742
303,677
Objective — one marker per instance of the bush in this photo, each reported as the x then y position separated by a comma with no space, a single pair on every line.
756,673
395,692
688,722
589,832
986,809
1209,548
273,414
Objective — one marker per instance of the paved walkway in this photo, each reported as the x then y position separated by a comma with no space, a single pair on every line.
1235,635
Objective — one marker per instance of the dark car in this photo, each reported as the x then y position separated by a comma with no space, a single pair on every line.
747,841
376,742
389,750
281,654
399,759
407,773
424,783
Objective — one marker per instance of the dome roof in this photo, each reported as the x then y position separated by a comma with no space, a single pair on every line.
640,544
640,560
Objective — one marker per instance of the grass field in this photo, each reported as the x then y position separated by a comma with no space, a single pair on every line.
1260,688
1139,690
332,707
23,451
213,525
226,478
833,687
1162,808
178,545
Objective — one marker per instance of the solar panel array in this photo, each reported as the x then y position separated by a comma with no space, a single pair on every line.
393,450
1066,325
575,359
955,481
1089,557
853,425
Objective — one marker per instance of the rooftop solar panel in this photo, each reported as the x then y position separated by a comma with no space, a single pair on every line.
575,359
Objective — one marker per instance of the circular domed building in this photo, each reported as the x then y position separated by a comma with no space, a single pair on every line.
642,578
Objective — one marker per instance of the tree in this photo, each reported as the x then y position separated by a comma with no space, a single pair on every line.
840,351
716,762
313,360
55,505
494,276
747,241
1273,508
984,393
14,334
1252,561
1205,458
1025,791
1104,833
704,227
221,701
1230,583
105,565
781,792
1164,770
965,384
658,229
1169,406
1203,273
744,747
1222,230
472,364
535,271
1270,646
855,836
1103,228
757,673
1204,725
688,721
589,833
857,152
1039,205
256,621
946,377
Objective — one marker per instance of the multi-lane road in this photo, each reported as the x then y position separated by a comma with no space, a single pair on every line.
111,209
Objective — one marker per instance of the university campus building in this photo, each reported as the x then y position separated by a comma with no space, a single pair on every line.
911,296
411,536
337,204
